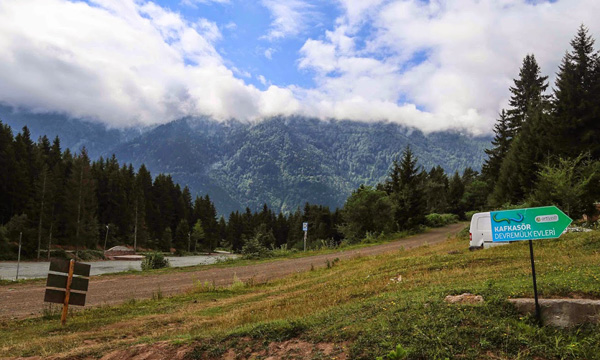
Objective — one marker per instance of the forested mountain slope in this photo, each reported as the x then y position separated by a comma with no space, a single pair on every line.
286,162
283,161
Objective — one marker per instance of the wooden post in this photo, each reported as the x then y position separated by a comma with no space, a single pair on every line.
63,318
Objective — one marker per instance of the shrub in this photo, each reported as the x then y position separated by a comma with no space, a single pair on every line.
282,251
373,238
439,220
87,255
155,261
58,254
399,353
469,214
253,249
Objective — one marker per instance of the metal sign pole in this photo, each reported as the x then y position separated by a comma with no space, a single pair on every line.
19,256
305,234
538,314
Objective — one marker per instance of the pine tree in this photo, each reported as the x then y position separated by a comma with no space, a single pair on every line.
519,169
575,121
166,240
405,187
501,144
527,92
182,239
82,207
456,190
25,172
8,164
198,234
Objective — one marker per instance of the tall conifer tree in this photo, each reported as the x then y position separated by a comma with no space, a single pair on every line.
576,121
527,93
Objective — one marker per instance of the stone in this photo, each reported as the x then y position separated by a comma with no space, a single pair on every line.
466,298
562,313
397,279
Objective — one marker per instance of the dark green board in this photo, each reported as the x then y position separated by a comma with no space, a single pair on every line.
59,265
58,296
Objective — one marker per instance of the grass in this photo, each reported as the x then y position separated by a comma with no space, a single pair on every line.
354,302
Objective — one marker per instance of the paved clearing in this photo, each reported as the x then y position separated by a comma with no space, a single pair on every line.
33,270
27,299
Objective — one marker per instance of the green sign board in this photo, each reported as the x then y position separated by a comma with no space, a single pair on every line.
547,222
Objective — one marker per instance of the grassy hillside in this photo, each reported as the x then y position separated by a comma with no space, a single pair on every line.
350,309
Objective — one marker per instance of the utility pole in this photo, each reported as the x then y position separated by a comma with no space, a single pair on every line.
135,228
79,213
41,216
305,228
19,256
106,238
50,234
189,240
50,240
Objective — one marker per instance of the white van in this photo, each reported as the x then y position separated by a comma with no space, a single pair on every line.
480,233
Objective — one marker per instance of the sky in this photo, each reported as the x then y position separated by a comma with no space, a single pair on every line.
432,65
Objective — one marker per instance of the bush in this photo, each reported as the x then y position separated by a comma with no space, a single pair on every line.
58,254
282,251
469,214
87,255
253,249
372,238
439,220
155,261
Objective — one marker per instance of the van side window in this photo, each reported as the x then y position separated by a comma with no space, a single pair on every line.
484,224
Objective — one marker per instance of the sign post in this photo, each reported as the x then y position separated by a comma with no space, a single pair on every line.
65,310
305,229
547,222
67,284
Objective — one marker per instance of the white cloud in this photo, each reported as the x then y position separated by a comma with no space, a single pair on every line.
433,65
262,80
231,26
195,3
269,53
289,17
453,59
121,62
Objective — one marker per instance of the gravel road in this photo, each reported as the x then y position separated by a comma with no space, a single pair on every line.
25,300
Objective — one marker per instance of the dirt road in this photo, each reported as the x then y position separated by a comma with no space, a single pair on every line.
27,299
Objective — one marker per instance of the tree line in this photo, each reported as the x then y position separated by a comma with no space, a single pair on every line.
546,148
57,198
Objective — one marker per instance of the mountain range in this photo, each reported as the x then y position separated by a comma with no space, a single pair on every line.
281,161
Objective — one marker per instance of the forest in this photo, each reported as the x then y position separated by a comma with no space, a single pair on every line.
546,150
